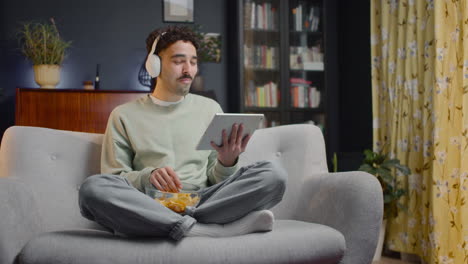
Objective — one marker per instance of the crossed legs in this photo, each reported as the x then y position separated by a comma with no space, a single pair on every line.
111,201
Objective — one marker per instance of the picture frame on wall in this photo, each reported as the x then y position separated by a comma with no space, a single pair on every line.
178,11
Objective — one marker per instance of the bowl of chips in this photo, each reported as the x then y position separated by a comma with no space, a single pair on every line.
188,197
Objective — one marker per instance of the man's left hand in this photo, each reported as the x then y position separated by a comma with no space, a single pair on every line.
233,146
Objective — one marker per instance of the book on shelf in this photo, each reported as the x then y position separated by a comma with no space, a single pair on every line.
305,19
305,58
266,95
260,16
303,95
261,57
299,81
313,66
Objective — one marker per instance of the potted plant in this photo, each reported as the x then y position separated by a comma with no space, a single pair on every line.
385,169
210,45
209,51
42,44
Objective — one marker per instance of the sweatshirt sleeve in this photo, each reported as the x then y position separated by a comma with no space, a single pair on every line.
216,171
117,154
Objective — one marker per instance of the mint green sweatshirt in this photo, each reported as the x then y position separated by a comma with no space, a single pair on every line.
142,136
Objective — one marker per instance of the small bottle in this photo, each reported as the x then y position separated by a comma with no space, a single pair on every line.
97,82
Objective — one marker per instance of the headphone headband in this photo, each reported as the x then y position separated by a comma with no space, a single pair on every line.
153,62
153,48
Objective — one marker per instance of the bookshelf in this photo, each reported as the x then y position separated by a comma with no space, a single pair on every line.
284,62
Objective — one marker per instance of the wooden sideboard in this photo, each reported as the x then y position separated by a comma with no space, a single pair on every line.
71,109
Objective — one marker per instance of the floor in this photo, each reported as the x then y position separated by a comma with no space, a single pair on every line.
387,260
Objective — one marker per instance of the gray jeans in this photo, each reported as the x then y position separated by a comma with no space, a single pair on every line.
113,202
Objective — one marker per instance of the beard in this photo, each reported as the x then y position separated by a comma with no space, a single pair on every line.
182,90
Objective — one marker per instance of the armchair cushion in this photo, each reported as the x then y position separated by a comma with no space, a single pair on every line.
20,217
289,242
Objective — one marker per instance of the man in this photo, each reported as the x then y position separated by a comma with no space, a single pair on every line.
151,141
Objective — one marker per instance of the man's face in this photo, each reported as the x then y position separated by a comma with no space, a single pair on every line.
179,67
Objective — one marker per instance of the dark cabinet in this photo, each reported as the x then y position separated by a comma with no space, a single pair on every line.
284,62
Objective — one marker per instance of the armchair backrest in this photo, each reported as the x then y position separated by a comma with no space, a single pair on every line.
57,162
54,163
299,148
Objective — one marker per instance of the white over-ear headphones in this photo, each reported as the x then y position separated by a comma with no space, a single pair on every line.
153,62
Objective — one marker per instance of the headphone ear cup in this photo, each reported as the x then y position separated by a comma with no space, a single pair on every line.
153,62
153,65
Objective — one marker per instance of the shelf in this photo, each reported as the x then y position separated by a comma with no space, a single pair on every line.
304,70
261,69
263,36
318,110
317,66
317,33
261,31
261,109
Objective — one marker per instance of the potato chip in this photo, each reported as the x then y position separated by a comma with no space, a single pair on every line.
178,202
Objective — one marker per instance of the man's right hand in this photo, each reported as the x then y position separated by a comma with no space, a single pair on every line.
165,179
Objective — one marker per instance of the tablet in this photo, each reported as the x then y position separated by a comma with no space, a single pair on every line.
225,121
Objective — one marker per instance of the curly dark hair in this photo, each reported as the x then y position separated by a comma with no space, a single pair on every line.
172,35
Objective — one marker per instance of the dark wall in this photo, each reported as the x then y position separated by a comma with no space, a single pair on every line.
109,32
355,110
113,33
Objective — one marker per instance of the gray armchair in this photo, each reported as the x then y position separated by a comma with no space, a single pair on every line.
323,218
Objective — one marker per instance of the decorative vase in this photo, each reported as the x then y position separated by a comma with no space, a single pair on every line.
47,76
378,250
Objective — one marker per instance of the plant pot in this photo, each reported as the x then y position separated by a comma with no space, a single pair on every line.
378,250
47,76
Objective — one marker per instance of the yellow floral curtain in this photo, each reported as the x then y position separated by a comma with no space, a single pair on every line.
420,108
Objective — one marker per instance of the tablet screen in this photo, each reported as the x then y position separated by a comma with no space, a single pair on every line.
225,121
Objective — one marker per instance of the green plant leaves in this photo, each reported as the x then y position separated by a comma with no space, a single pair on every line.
390,163
41,43
367,168
386,175
384,170
388,198
210,45
403,169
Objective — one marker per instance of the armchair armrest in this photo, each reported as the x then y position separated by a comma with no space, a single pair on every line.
20,217
350,202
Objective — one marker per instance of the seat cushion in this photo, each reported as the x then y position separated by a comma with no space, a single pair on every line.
289,242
